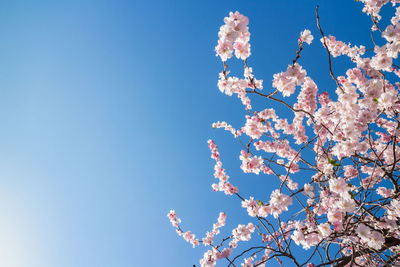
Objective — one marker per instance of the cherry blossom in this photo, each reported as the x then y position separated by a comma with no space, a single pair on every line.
306,36
336,157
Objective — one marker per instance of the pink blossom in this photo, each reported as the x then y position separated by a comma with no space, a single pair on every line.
286,82
243,232
338,186
219,172
250,164
325,229
279,202
225,253
254,127
226,127
224,50
306,36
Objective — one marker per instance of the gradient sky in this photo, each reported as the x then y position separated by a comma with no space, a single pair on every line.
105,110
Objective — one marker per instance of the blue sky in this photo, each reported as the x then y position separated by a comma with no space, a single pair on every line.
106,107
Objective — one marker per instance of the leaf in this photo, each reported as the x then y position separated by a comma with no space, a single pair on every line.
333,162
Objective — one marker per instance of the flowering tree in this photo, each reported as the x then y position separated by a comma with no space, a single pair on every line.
348,212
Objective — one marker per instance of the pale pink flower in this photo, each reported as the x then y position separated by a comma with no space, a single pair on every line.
338,185
306,36
376,240
243,232
224,50
250,164
325,229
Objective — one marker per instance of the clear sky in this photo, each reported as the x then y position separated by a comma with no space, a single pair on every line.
105,110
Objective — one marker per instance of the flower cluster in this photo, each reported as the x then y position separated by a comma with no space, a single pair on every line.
234,35
286,82
188,236
342,144
219,172
209,238
278,203
251,164
339,48
241,233
226,127
374,239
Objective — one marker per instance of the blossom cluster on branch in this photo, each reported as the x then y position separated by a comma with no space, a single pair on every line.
348,211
